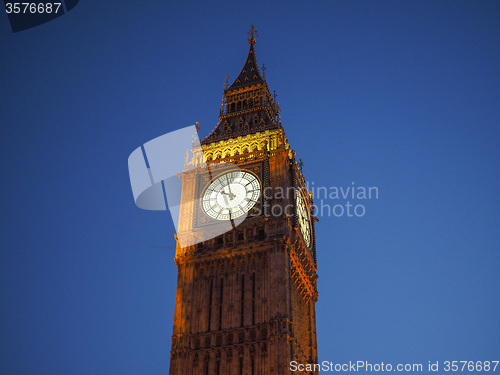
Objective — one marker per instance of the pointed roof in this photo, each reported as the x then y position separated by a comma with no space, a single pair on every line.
250,74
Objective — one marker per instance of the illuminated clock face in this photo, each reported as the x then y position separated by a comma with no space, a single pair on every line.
304,225
231,195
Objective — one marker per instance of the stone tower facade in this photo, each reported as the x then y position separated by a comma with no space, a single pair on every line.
245,302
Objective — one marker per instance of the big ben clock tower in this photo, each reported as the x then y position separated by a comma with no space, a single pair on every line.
245,302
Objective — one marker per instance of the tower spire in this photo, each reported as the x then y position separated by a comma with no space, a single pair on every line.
251,35
247,104
250,74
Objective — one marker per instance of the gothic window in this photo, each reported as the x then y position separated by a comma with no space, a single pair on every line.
253,297
264,262
210,305
207,362
242,299
220,302
261,234
263,333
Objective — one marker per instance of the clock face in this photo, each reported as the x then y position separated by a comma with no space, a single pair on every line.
231,195
303,216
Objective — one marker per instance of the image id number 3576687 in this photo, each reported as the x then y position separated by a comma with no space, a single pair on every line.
32,8
470,366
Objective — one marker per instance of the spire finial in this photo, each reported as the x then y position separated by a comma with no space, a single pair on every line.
251,35
197,126
263,70
226,84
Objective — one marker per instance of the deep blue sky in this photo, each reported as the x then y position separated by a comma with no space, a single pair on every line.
399,95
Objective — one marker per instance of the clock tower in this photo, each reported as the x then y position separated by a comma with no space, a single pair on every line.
245,302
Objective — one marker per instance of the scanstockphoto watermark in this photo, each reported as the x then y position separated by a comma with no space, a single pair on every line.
339,201
370,367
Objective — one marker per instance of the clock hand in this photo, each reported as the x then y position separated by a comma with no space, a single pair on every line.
227,203
231,195
225,196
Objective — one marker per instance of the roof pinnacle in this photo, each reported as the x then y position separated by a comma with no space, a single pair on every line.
251,35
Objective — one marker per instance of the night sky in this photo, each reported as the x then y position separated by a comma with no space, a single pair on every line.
399,95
